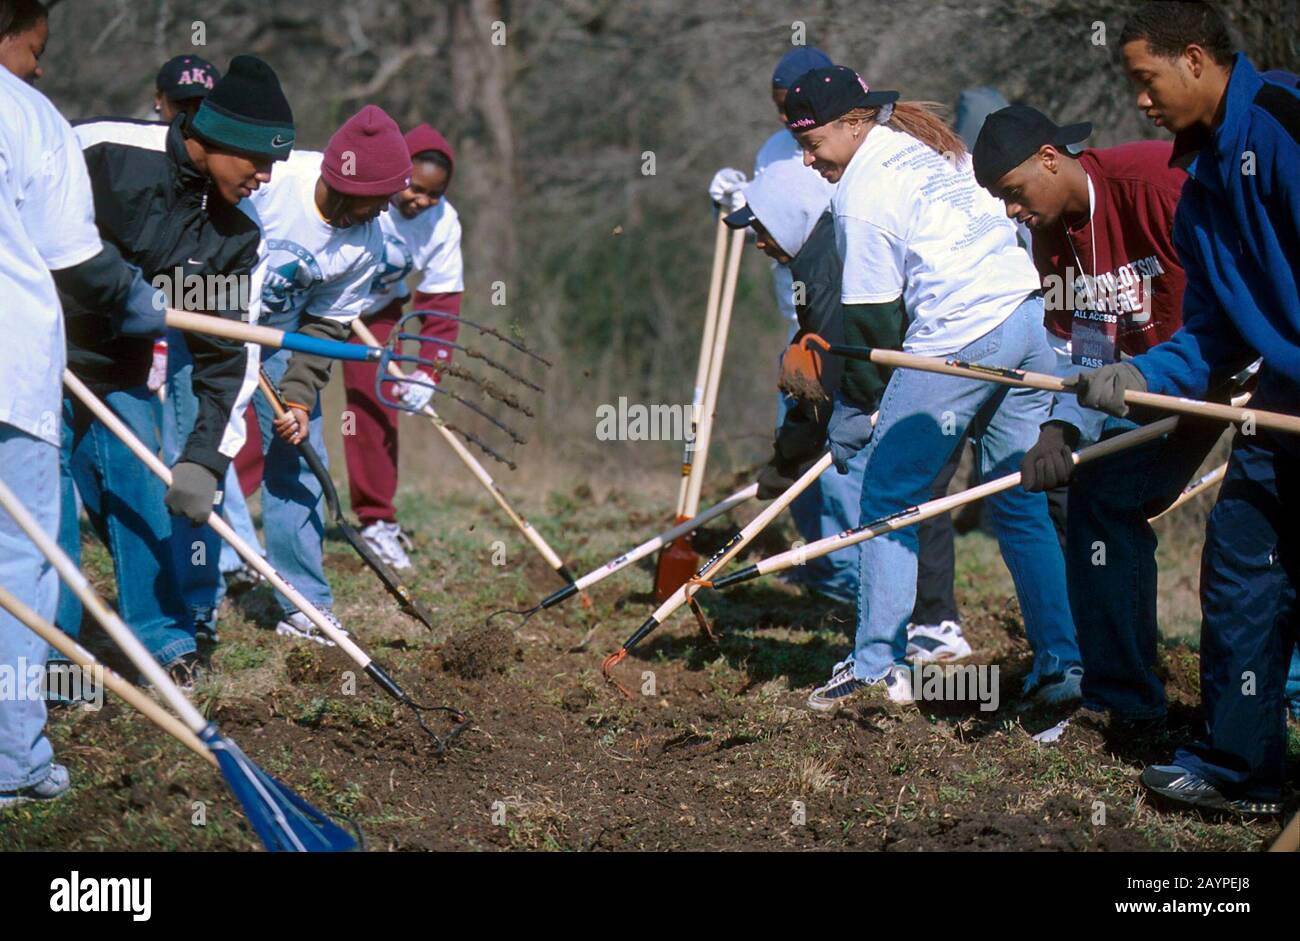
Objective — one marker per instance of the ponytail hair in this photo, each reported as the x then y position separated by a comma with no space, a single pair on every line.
919,119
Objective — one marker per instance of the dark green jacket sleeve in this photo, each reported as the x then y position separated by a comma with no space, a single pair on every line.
881,325
306,375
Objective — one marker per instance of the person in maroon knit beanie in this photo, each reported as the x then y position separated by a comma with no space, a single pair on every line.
422,235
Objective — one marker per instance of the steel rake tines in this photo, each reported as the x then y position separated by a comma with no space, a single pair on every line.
440,742
384,379
472,354
490,331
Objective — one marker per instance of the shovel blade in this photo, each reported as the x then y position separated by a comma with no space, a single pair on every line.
677,563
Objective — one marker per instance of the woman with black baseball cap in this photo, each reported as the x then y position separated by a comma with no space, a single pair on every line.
922,242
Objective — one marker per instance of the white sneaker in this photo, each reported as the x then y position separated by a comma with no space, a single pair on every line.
936,643
51,787
300,626
898,685
389,543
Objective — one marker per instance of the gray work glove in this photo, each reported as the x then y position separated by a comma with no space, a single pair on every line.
1049,463
849,431
144,310
1104,388
192,493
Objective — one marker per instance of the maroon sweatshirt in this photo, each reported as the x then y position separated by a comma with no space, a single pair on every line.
1123,257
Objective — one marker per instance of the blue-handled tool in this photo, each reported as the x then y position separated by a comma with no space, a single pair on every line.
269,336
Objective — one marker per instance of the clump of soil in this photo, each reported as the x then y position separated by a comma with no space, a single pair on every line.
302,663
478,652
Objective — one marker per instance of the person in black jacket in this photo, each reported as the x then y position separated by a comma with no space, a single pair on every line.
168,197
785,208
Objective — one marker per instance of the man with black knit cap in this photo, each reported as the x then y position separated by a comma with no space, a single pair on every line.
168,197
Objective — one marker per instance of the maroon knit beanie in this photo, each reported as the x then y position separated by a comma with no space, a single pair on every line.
422,137
367,156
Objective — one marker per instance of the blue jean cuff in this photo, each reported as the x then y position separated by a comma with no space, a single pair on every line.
174,651
36,777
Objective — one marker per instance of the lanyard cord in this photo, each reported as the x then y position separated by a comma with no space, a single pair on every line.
1092,232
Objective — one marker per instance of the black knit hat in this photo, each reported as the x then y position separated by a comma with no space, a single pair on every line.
247,112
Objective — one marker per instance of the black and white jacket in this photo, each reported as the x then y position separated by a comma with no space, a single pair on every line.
166,217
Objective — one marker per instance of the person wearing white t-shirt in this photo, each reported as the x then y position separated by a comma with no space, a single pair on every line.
47,223
324,247
924,244
421,235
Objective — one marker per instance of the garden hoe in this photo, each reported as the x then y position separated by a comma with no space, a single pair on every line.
405,600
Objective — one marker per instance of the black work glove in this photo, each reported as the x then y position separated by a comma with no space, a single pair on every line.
779,475
1049,463
1104,388
192,493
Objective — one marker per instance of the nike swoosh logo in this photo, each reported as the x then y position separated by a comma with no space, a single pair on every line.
194,261
278,141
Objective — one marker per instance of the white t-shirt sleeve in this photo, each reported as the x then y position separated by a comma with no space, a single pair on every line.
58,210
443,272
874,262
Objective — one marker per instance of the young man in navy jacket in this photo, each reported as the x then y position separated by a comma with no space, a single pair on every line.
1237,232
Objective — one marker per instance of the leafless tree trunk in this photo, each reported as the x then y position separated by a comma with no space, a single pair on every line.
480,55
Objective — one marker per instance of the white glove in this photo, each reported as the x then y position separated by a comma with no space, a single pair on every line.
158,368
416,395
726,183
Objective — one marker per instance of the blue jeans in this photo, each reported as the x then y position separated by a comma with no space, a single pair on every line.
292,520
204,589
923,418
827,507
235,509
30,468
1249,571
124,501
1113,596
196,549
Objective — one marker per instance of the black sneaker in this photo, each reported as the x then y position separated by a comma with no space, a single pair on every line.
242,580
1192,792
205,625
59,684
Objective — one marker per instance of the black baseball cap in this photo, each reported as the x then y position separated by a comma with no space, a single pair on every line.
186,77
1012,135
822,95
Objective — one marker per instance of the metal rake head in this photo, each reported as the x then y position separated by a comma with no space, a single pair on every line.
489,331
385,381
400,334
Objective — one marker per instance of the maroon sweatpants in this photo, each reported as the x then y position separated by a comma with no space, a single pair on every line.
371,450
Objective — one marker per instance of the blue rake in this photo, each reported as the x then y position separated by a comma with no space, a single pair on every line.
283,821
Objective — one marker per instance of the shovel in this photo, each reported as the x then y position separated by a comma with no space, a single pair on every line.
679,561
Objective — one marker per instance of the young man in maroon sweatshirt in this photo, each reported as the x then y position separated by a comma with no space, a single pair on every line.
1102,225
